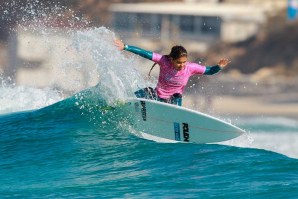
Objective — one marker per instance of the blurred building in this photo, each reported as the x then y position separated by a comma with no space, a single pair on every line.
194,23
34,57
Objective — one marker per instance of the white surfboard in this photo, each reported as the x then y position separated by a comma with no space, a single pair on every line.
177,123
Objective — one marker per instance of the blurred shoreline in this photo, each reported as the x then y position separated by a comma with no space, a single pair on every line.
235,106
242,95
250,106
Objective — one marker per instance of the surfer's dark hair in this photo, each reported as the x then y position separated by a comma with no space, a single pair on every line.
176,53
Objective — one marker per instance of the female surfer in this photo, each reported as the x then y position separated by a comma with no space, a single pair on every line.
175,71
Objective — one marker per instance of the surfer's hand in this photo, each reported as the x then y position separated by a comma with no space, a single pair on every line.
223,62
119,44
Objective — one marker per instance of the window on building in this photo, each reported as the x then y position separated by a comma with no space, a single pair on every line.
124,21
210,25
144,22
149,24
156,21
187,24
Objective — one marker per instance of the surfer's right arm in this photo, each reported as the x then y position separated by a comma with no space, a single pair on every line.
136,50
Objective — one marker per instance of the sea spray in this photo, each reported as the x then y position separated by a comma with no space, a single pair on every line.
82,59
118,78
73,55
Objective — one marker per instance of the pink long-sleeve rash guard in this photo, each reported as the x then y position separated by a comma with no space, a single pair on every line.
172,81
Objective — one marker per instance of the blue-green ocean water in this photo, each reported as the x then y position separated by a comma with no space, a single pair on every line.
68,147
66,151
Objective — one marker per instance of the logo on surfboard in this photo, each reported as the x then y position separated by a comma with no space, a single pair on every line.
185,131
177,131
143,110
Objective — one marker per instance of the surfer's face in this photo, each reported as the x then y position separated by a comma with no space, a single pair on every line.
179,64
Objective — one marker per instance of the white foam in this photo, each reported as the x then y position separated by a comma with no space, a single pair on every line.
277,134
284,142
21,98
155,138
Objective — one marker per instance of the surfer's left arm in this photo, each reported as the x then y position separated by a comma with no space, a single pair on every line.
136,50
210,70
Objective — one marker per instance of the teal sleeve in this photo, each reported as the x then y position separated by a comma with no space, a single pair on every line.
210,70
139,51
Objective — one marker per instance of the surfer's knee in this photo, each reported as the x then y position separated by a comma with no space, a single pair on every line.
176,99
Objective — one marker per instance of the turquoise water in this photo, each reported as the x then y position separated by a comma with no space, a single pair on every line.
68,147
66,151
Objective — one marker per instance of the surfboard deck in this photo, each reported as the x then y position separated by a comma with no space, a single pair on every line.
177,123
